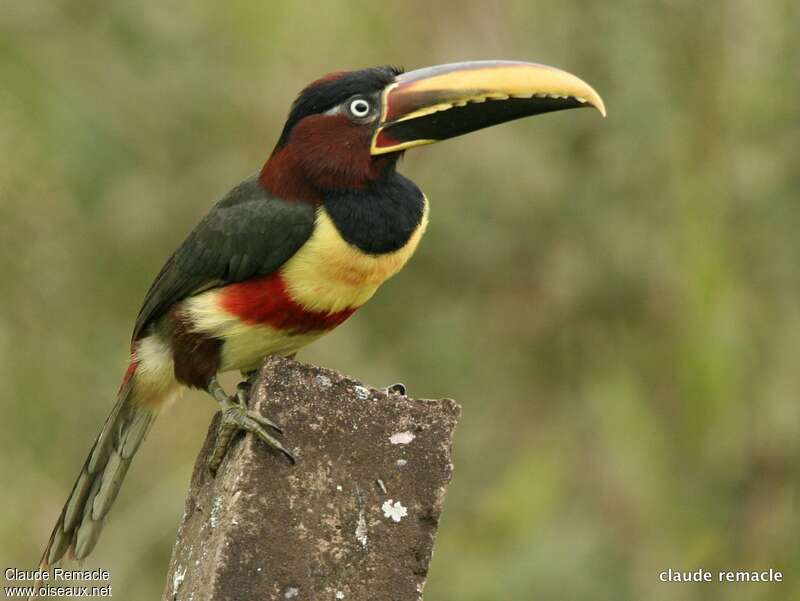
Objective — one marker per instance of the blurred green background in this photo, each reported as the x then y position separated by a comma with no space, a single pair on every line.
614,302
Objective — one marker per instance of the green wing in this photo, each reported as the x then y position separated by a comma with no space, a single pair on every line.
245,235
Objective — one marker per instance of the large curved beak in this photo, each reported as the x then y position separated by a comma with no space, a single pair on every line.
436,103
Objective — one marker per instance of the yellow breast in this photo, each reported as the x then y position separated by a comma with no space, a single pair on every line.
330,274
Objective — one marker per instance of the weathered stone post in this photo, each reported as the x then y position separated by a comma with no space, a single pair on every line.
355,519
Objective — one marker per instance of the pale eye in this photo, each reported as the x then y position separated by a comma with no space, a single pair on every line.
359,108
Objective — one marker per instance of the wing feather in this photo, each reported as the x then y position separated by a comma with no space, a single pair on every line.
245,235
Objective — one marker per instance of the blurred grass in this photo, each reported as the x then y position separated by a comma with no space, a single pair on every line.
613,302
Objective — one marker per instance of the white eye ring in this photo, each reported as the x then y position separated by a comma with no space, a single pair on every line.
359,108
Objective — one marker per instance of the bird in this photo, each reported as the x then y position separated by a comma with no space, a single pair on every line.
293,251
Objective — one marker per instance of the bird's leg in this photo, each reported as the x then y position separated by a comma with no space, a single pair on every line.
236,416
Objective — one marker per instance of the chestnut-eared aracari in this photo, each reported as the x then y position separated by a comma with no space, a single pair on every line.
292,252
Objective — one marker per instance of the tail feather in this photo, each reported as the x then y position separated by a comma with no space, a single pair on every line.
100,479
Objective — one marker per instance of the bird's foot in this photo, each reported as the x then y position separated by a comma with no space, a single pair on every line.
398,388
236,416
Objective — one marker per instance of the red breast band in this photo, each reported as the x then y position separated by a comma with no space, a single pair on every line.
264,301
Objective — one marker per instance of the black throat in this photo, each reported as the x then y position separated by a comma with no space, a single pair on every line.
379,218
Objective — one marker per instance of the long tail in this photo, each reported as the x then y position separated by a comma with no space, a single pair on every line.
96,488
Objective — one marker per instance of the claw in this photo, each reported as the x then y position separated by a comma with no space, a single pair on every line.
270,440
243,396
236,416
264,421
